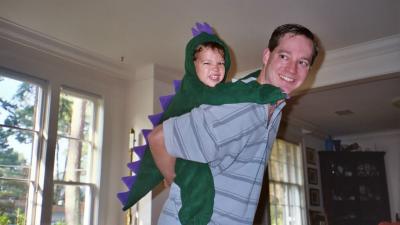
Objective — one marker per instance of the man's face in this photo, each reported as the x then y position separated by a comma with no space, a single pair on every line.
288,64
210,66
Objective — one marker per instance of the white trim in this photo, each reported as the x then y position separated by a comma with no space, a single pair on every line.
364,60
55,47
371,135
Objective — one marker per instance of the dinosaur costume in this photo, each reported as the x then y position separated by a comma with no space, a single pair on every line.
193,178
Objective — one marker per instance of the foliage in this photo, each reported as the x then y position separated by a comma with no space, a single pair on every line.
65,115
61,222
4,220
20,217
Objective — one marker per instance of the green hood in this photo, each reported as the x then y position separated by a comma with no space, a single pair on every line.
191,47
192,88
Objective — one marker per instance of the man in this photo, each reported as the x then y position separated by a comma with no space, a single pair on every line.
235,139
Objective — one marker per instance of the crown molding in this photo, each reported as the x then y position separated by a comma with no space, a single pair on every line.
364,60
49,45
371,135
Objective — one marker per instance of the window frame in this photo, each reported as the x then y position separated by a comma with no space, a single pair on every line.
37,129
41,182
286,185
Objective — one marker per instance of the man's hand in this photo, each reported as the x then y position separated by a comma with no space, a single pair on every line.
164,161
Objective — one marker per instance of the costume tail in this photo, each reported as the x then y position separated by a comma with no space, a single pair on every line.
146,174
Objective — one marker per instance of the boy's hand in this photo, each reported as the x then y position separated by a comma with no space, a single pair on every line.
164,161
166,183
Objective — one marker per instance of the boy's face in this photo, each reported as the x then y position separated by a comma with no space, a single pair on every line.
210,66
287,66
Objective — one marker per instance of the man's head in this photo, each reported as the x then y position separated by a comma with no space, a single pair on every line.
209,63
291,51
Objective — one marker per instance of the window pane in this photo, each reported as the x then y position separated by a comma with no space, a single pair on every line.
75,118
19,105
72,160
13,201
292,173
15,153
18,100
282,157
71,205
286,180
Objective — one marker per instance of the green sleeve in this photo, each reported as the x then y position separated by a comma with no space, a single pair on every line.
239,92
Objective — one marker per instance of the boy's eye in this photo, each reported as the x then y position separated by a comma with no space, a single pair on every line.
221,63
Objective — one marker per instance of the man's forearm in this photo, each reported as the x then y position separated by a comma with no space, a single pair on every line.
164,161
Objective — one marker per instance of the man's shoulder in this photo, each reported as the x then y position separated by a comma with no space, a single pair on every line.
252,76
248,78
237,110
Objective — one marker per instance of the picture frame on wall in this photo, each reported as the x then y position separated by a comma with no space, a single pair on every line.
317,218
312,175
311,156
314,197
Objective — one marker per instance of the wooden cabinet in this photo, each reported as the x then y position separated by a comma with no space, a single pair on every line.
354,187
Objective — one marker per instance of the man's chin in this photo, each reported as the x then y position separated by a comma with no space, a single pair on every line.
287,90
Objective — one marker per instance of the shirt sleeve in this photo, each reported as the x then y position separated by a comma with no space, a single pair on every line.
211,133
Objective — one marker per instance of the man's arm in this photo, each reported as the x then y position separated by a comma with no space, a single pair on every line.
213,133
164,161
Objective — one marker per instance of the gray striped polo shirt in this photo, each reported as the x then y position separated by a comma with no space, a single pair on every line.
235,140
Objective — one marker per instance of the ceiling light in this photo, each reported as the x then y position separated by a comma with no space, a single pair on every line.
396,102
345,112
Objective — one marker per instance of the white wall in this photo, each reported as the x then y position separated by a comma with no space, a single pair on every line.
388,142
150,82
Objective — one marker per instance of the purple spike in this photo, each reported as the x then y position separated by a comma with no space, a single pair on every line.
205,27
195,32
165,101
146,133
134,166
155,119
123,197
139,150
177,85
129,181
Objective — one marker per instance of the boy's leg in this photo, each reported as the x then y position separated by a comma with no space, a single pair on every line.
197,192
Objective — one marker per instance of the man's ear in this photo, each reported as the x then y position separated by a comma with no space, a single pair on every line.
266,55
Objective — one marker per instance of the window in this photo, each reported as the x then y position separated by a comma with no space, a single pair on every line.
286,184
24,152
20,110
73,189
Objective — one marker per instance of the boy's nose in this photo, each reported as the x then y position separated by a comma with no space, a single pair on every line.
215,67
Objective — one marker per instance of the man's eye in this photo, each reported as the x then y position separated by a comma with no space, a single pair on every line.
221,63
283,56
304,63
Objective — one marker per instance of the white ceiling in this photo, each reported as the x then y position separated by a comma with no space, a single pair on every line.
370,102
156,31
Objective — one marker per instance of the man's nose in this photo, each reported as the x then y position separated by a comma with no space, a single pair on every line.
291,67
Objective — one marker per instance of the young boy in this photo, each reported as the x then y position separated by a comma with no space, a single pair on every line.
206,64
